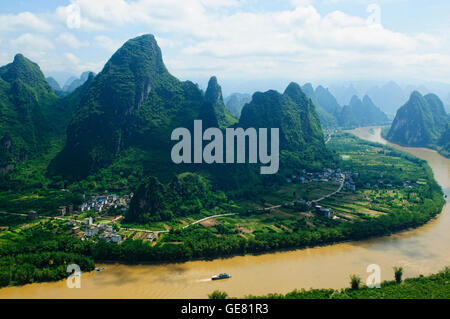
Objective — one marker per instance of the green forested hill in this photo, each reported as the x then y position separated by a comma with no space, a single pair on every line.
114,131
327,100
295,115
422,121
132,102
214,96
327,119
184,195
133,105
444,142
26,107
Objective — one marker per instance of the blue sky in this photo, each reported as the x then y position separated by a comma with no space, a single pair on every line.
238,40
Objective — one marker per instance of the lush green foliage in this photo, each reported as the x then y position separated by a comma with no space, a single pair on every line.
294,114
218,295
187,194
355,282
26,100
133,102
37,255
444,142
398,272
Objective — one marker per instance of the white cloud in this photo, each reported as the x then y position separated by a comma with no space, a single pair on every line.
23,21
72,58
29,42
201,37
71,41
107,43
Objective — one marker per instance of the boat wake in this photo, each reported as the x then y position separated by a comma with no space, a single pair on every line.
203,280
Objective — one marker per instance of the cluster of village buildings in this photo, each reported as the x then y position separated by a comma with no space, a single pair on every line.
103,230
100,203
327,175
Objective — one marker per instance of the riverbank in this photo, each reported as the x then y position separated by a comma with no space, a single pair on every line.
434,286
385,131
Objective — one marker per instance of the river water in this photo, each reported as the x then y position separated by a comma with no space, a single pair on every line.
420,251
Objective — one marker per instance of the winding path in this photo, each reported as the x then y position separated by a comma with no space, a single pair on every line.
317,200
167,230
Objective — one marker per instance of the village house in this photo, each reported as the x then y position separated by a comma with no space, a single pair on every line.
91,231
105,227
326,212
111,237
32,215
87,221
62,210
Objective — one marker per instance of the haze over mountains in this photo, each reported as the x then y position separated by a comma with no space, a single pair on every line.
330,112
388,96
71,84
356,113
236,101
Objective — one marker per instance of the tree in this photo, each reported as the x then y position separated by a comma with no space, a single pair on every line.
4,279
398,272
355,282
217,294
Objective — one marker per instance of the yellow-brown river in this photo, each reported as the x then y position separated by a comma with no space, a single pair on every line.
421,251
